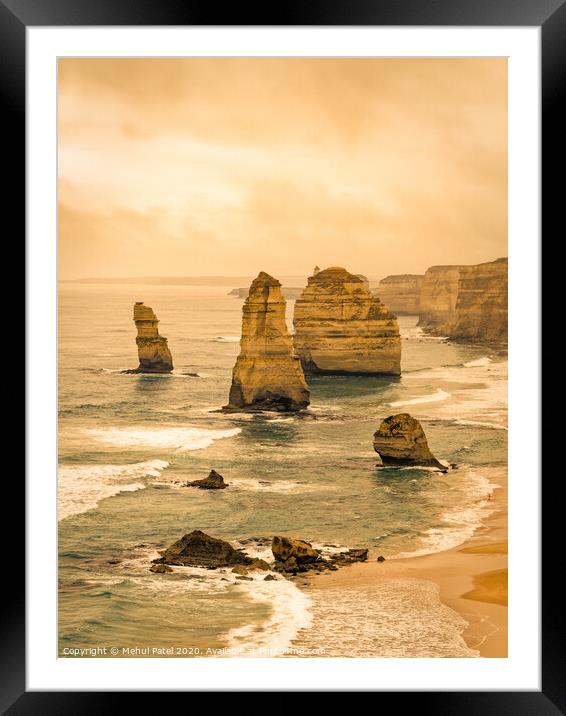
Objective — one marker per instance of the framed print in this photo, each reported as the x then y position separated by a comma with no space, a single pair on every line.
282,419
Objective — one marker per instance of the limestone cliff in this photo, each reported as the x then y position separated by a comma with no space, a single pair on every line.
153,353
401,293
400,440
466,302
341,327
481,307
439,293
267,374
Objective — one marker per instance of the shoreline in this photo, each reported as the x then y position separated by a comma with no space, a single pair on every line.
472,579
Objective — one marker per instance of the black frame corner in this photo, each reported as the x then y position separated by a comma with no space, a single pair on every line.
550,15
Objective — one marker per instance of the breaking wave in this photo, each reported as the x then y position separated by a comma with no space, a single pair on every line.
81,487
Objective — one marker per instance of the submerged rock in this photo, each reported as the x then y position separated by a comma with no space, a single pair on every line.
260,564
153,352
214,481
198,549
255,565
160,568
400,440
240,569
341,327
267,374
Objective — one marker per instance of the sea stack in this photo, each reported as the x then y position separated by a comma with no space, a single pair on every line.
267,374
342,328
153,352
400,440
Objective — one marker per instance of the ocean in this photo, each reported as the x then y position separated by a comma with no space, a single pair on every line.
127,442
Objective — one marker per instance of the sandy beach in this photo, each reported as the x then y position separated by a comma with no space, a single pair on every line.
472,579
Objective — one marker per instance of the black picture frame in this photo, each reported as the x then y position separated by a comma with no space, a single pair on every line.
15,17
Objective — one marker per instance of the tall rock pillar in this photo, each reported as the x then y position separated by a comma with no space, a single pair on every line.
267,374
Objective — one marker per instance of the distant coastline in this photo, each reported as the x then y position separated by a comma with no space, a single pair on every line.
231,281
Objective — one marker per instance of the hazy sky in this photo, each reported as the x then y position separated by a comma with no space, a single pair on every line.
179,167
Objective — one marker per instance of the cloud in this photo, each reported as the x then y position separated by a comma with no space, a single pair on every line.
391,164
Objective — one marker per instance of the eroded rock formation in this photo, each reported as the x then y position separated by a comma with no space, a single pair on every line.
153,352
401,293
293,556
481,307
198,549
267,374
285,547
439,294
214,481
341,327
400,440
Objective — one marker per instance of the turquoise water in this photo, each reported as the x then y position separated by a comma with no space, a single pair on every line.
125,441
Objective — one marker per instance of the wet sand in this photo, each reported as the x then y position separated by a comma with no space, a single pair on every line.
472,579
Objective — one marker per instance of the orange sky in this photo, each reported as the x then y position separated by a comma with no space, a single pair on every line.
180,167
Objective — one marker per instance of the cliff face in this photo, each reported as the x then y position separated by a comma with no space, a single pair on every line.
267,374
466,302
401,293
153,352
481,307
439,293
341,327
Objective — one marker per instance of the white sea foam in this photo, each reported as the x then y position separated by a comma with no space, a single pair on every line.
393,618
417,333
153,376
478,393
478,363
490,369
289,614
459,523
178,439
262,549
81,487
184,374
289,606
481,424
199,579
435,397
287,486
412,468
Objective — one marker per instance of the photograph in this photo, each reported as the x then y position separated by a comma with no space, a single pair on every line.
282,357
